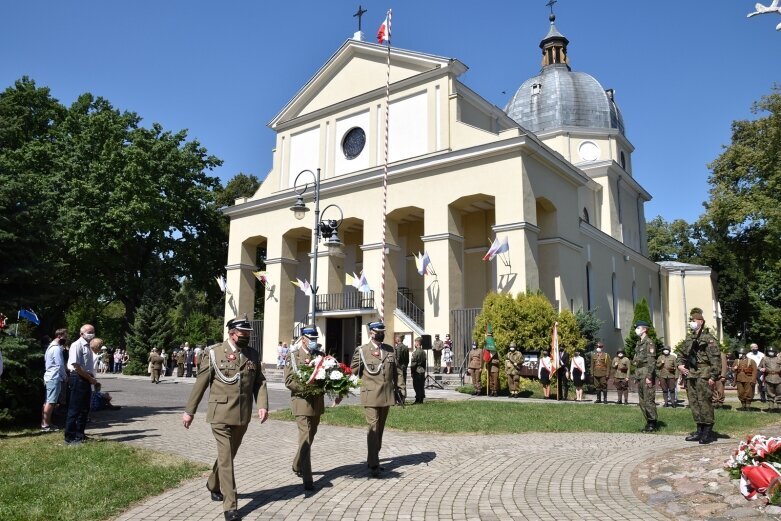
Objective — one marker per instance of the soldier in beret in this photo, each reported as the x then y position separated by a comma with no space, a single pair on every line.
645,374
306,409
375,364
232,373
700,364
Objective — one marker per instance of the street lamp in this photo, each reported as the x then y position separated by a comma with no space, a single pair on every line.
327,229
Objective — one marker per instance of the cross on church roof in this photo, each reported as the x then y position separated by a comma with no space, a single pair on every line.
359,14
550,4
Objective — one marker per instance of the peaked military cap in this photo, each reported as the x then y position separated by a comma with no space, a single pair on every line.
242,324
641,323
310,332
377,326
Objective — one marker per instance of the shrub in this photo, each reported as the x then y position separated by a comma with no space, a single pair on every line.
21,385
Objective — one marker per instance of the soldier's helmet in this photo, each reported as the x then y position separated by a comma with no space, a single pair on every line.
512,345
771,351
621,351
742,351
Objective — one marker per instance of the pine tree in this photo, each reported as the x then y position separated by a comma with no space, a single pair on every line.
141,339
642,313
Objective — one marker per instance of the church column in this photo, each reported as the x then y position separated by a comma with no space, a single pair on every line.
522,274
279,312
372,263
240,294
330,279
444,292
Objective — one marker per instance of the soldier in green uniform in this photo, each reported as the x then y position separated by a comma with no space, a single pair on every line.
180,357
418,368
306,409
621,369
600,371
667,371
700,364
645,374
402,354
156,362
770,367
232,373
375,364
475,366
512,368
745,378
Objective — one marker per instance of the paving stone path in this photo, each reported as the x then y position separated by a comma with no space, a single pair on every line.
559,476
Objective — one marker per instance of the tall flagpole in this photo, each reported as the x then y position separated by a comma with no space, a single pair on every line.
385,176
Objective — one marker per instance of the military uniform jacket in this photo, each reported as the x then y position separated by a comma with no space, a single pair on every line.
229,404
746,370
300,406
180,358
621,368
701,355
378,375
156,361
402,355
645,358
600,364
418,364
513,363
438,345
494,364
667,366
773,366
475,358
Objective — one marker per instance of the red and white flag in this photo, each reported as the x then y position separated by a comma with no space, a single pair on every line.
383,33
496,248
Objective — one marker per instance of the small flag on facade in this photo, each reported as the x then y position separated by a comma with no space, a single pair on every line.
423,263
221,283
303,285
496,248
383,33
262,276
30,315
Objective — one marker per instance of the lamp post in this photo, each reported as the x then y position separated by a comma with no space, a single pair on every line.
322,228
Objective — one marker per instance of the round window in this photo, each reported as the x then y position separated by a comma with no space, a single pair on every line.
589,151
353,142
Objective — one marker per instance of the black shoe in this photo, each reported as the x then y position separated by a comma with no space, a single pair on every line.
650,426
707,435
73,442
113,407
232,515
598,400
297,473
49,428
695,436
308,485
375,472
217,496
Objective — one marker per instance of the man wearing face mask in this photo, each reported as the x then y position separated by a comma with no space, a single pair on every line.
81,378
375,364
621,370
645,374
600,370
770,368
54,378
745,377
666,369
232,373
756,355
512,368
700,364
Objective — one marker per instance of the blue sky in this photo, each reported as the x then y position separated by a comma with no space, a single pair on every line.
682,70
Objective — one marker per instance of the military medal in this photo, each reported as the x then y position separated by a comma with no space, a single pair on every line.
250,365
231,357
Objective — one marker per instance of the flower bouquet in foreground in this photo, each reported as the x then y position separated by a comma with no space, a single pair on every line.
757,463
326,375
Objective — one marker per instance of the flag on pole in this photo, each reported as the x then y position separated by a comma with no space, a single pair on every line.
383,33
303,285
30,315
554,348
423,263
262,276
221,283
496,248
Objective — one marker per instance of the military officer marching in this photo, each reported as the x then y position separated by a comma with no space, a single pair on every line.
770,367
232,373
512,368
621,369
306,409
375,364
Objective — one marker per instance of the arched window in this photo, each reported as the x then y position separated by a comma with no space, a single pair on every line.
623,160
585,214
616,317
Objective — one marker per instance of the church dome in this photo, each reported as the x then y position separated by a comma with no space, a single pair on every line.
559,97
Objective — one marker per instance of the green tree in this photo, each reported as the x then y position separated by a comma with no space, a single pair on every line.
242,185
589,325
151,328
671,241
642,313
107,317
570,336
21,387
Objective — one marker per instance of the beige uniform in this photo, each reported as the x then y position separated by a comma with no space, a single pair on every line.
512,368
380,374
307,411
772,374
621,368
745,378
156,361
600,371
230,407
475,366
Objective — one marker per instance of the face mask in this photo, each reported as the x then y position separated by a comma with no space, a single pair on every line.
88,336
512,349
638,331
693,326
599,350
242,341
755,351
379,336
620,355
666,352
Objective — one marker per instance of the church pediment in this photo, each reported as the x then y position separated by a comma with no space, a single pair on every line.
355,69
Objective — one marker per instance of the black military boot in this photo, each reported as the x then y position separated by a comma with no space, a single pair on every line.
707,435
651,426
695,436
599,397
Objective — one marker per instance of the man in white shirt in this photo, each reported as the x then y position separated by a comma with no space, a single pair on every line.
54,377
80,382
756,355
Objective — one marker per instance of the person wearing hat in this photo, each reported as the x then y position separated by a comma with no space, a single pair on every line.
437,348
770,368
645,374
232,373
180,359
667,371
156,363
746,372
189,360
621,369
600,371
475,366
306,409
375,364
418,368
577,373
700,364
756,355
402,354
512,368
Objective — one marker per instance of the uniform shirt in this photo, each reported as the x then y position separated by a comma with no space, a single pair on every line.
475,358
81,354
600,364
645,358
377,390
772,364
439,345
757,358
402,354
55,364
418,363
621,367
299,405
666,366
745,370
701,355
513,363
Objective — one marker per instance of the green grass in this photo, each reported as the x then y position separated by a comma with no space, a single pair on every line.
42,478
489,417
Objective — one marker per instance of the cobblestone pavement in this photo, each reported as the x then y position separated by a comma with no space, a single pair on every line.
428,476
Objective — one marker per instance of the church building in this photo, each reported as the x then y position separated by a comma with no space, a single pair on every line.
550,175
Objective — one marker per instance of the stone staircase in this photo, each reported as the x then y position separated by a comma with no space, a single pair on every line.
447,381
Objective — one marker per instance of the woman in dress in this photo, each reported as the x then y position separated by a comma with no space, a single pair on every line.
544,373
447,357
577,372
